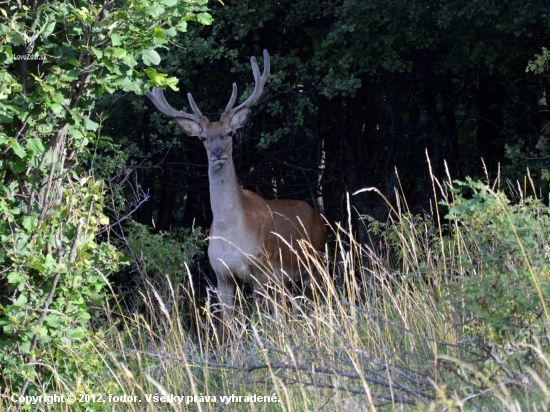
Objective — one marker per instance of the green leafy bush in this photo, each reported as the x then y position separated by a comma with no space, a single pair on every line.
55,273
504,259
158,261
164,253
56,59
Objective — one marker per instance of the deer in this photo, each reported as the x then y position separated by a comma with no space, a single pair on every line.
248,233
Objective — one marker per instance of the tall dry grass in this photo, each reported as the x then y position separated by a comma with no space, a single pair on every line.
376,336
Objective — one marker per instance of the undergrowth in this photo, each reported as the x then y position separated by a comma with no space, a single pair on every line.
451,316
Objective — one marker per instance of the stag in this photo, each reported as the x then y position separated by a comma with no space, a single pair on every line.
248,233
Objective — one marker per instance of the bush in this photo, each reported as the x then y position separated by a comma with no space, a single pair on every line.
164,253
53,269
158,261
55,273
504,259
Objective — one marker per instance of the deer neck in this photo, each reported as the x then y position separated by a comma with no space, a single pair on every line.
225,196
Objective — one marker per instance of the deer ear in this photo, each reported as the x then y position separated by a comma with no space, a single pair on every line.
240,118
189,127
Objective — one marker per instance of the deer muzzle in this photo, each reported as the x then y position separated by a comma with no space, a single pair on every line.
218,156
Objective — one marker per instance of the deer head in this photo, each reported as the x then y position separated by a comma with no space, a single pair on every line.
216,136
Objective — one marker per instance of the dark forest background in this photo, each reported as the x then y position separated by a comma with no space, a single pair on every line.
361,94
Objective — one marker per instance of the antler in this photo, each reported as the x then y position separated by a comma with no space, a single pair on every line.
258,86
157,97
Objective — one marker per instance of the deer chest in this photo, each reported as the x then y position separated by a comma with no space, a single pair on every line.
232,254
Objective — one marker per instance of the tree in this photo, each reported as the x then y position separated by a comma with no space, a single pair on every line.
56,60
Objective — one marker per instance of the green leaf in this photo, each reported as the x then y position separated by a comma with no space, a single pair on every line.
90,124
98,53
64,213
154,11
53,321
205,18
84,316
29,223
21,301
129,60
76,31
109,89
5,118
35,146
117,40
57,109
51,78
172,82
6,54
50,27
171,32
128,84
77,333
151,72
15,39
182,26
58,98
169,3
69,75
15,277
115,52
74,132
25,346
17,149
150,57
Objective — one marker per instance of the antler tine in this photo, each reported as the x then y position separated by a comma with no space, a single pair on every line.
232,99
259,81
158,99
194,106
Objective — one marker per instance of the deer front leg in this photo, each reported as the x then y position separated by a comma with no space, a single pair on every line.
226,294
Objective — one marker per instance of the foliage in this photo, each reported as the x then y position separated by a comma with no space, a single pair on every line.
357,88
540,64
164,253
56,59
505,263
53,264
164,256
531,156
533,152
159,261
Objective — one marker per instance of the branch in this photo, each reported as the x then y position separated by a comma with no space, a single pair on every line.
142,200
419,394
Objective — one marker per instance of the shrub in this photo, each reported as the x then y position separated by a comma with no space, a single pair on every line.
504,258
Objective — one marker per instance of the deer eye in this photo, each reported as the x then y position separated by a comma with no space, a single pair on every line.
203,138
230,133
